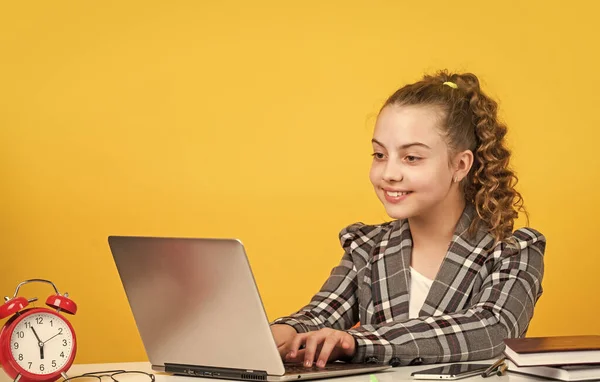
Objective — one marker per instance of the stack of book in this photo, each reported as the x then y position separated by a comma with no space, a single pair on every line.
565,358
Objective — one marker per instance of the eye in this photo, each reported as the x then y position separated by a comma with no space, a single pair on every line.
378,156
412,159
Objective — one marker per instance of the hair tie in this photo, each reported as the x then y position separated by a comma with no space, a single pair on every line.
451,84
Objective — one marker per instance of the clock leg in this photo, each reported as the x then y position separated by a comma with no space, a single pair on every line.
64,375
17,378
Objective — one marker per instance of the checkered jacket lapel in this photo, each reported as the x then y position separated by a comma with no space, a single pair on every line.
390,272
390,275
453,283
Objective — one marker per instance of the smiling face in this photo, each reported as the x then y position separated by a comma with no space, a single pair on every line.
411,170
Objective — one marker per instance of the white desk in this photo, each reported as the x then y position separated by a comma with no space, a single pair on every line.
396,374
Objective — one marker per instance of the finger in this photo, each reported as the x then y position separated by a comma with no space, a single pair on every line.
347,342
311,348
299,357
287,350
283,349
348,345
331,341
297,341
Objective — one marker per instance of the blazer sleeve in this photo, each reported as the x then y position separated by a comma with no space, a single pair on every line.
502,308
335,305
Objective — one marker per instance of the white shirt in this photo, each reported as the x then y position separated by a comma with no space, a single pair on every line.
419,288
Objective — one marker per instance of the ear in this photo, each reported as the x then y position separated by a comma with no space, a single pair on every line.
463,161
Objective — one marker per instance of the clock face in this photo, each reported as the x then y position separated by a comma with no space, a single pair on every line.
42,343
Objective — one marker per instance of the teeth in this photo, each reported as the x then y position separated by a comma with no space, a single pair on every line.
395,194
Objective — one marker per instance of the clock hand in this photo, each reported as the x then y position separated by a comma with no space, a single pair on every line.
40,343
57,334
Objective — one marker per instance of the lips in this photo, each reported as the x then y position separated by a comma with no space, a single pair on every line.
396,196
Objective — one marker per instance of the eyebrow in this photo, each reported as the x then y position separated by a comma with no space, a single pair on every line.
404,146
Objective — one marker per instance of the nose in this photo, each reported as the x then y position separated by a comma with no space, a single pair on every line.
392,172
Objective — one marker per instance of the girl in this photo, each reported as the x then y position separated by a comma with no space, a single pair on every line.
447,280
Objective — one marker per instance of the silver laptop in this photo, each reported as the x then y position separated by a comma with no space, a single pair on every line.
199,313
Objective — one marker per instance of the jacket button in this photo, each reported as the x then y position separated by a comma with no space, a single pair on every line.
372,359
416,361
395,362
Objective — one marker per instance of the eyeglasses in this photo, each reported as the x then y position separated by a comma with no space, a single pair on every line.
115,375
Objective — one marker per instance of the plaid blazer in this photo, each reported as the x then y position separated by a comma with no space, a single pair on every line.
481,295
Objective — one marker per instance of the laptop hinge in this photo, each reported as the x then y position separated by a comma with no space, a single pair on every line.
215,372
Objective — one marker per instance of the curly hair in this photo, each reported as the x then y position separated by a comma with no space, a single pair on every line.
470,122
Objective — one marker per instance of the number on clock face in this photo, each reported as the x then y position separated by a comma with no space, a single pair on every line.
41,343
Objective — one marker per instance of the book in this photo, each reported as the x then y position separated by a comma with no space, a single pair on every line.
560,350
568,373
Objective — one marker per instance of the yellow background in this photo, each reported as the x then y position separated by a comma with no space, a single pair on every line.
253,120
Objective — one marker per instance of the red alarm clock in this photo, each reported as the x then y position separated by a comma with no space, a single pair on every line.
37,344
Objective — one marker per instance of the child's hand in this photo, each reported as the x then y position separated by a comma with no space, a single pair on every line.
283,335
322,345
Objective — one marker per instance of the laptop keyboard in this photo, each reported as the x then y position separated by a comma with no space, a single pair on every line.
298,368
